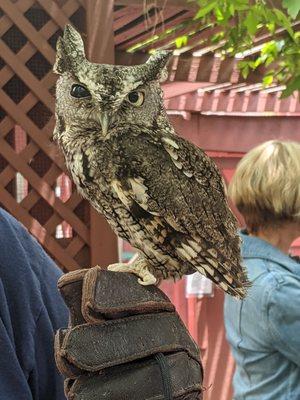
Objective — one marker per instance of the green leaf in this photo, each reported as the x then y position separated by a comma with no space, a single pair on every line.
293,85
217,37
231,9
293,7
272,48
271,27
253,64
241,5
259,61
241,2
242,64
181,41
235,25
267,80
244,68
251,22
269,60
284,21
205,10
219,15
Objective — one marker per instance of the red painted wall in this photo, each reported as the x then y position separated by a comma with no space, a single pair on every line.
204,318
226,139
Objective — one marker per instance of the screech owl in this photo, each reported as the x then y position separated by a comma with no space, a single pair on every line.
157,190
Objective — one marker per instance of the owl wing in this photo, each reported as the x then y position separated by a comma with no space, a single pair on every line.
203,189
176,182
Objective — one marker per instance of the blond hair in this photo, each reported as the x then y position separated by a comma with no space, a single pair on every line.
266,185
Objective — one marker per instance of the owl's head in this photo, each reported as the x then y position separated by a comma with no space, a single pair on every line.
106,95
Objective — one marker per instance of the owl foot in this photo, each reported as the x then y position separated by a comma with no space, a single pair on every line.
139,268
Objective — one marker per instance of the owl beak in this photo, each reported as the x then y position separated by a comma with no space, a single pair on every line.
104,121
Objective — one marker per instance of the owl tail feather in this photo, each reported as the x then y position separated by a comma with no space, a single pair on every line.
234,283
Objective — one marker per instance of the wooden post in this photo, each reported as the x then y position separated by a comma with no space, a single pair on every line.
100,33
100,49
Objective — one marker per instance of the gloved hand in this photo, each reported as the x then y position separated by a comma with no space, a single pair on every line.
125,341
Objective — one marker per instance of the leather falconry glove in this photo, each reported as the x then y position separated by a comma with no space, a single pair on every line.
125,341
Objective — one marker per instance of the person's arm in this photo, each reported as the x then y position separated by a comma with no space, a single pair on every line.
31,310
45,378
13,381
284,318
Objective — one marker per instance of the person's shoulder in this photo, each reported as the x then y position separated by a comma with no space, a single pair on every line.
17,235
29,258
27,273
271,270
287,280
282,287
264,280
284,301
8,221
284,272
260,270
266,261
12,232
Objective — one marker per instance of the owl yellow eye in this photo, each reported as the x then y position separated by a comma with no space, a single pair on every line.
79,91
136,98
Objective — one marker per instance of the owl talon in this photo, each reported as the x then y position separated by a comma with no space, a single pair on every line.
138,268
119,267
147,279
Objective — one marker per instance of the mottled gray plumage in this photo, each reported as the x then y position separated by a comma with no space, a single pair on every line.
158,191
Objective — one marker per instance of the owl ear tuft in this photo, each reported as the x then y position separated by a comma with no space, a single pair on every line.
157,65
61,64
69,51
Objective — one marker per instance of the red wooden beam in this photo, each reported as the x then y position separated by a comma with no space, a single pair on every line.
125,19
159,3
235,133
186,68
146,26
100,35
219,102
175,18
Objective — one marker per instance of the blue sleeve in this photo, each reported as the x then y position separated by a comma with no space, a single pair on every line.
45,378
284,318
13,381
31,310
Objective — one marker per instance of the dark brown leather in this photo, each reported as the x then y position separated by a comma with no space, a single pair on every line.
115,295
108,295
127,382
130,339
64,366
70,286
116,329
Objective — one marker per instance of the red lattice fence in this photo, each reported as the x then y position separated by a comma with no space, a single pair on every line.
33,183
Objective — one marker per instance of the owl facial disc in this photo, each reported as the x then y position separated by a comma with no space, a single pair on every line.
103,96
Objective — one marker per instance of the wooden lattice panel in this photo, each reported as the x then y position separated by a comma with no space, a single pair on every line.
33,183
